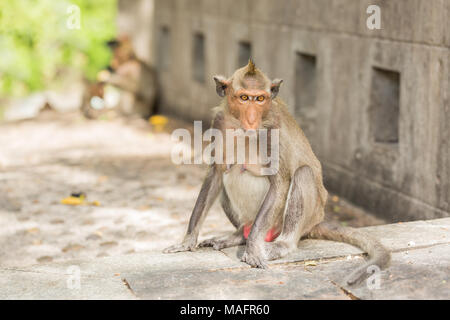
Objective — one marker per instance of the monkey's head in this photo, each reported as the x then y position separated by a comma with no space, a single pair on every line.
122,50
249,94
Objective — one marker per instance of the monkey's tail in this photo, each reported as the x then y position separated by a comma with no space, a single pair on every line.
378,254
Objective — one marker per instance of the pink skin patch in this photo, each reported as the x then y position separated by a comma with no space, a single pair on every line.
270,236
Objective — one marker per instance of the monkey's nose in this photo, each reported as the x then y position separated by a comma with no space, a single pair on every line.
251,119
252,116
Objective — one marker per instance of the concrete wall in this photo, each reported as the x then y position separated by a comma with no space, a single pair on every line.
401,175
135,18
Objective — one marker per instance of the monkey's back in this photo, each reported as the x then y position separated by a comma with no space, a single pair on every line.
295,150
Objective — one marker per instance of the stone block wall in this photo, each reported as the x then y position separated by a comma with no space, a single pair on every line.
374,103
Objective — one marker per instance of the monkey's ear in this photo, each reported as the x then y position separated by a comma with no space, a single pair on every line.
221,85
275,87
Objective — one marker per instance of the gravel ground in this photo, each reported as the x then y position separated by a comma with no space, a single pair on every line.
145,200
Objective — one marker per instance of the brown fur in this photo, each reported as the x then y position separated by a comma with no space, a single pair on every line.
133,78
291,201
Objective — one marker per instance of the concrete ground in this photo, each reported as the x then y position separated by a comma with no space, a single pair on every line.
419,270
145,203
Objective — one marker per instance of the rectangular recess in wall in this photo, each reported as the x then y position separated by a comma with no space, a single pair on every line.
163,48
198,58
244,53
385,105
305,82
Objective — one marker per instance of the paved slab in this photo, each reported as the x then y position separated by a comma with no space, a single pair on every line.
156,262
414,274
398,236
307,250
279,283
401,236
419,270
35,285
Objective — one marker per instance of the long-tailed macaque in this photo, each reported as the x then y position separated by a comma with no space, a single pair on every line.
134,79
271,213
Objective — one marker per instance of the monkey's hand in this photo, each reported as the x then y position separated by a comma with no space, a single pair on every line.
254,257
103,76
189,244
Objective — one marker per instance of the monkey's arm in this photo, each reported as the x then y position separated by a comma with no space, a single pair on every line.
126,77
208,193
122,82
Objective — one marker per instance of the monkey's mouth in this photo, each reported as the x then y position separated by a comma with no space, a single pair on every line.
243,167
249,128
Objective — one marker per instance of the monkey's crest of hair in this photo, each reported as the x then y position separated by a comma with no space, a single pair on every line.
251,68
250,71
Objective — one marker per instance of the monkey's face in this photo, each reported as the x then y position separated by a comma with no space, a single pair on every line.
250,106
249,95
122,51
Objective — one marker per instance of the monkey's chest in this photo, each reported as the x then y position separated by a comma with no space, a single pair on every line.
245,191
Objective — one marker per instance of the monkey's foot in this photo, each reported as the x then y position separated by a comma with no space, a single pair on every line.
234,239
254,260
185,246
276,250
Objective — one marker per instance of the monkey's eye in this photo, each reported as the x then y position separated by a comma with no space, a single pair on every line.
244,97
260,98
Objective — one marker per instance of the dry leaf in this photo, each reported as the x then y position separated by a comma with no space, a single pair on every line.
72,247
33,230
108,244
158,122
99,233
336,209
102,179
93,237
44,259
73,201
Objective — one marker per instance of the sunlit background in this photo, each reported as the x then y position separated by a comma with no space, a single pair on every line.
85,167
39,50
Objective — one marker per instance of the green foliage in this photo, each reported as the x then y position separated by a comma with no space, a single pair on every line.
37,47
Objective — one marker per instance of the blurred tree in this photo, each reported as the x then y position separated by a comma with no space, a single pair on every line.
37,48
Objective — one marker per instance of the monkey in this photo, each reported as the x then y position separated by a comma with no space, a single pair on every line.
273,212
135,80
95,89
